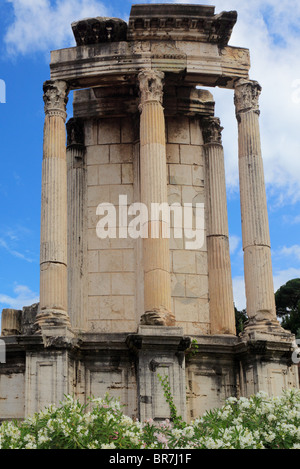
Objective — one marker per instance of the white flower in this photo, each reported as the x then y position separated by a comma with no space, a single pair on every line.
188,432
231,400
125,420
270,437
108,446
177,433
237,421
213,444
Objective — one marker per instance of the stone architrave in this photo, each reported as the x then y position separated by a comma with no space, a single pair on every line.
261,309
53,256
153,170
219,269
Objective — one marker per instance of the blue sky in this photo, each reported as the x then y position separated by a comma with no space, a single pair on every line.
29,29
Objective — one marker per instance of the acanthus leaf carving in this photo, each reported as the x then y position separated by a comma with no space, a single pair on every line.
246,96
56,97
212,130
151,86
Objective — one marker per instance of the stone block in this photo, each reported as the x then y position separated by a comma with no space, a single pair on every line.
123,283
178,285
129,306
12,402
196,134
180,174
109,131
122,153
127,173
193,195
172,153
178,130
120,189
99,284
186,309
184,262
111,261
175,243
127,130
191,154
201,262
92,175
97,195
196,286
106,307
174,194
93,261
127,324
90,132
198,176
129,260
92,217
110,174
97,154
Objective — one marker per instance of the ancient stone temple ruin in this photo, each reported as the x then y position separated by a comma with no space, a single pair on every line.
126,297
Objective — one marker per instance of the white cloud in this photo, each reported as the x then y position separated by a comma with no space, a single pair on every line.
293,251
23,297
239,294
41,25
14,252
282,276
234,242
270,29
12,237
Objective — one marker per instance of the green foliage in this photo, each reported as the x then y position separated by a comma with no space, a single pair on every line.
176,419
193,349
240,319
287,299
260,422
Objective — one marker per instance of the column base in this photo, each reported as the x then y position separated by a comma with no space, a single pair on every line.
52,318
157,318
265,327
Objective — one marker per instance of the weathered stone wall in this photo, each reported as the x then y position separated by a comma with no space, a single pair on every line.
189,272
115,266
112,286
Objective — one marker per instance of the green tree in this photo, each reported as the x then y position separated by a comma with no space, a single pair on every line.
240,319
287,299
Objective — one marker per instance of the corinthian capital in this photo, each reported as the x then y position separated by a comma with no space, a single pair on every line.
151,86
246,96
212,130
56,97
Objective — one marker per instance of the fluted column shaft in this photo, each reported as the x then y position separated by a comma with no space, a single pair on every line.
53,256
77,221
153,173
255,226
222,316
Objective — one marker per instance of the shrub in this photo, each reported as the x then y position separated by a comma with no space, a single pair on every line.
260,422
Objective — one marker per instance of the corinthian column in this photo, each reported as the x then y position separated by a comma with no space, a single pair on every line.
222,316
255,226
53,257
153,173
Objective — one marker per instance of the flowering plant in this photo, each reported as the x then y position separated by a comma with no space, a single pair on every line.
260,422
